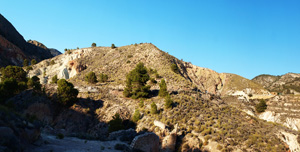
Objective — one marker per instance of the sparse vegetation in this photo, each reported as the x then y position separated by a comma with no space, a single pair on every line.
91,77
136,115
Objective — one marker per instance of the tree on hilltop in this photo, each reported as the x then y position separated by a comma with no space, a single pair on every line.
94,45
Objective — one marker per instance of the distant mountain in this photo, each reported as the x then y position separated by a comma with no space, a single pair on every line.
286,84
54,52
14,49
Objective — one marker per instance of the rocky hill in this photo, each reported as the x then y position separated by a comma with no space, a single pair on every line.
14,49
205,112
284,84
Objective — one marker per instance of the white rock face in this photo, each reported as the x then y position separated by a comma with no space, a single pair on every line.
292,123
289,139
62,67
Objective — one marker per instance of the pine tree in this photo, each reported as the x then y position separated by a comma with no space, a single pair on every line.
91,77
66,92
25,63
116,123
261,106
33,62
136,115
163,88
136,82
168,102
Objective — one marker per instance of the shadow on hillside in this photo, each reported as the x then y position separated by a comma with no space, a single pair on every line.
153,93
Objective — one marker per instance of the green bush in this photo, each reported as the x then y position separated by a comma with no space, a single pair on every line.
153,108
136,116
66,92
174,68
115,124
91,77
261,106
54,79
33,62
113,46
94,45
103,77
136,82
52,62
168,102
14,72
163,88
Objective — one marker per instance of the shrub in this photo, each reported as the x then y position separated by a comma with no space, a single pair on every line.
66,92
141,104
33,62
115,124
34,83
52,62
103,77
91,77
136,116
174,68
94,45
54,79
28,68
163,88
153,108
113,46
153,80
25,63
136,82
168,102
261,106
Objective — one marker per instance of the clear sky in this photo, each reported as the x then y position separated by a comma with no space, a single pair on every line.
245,37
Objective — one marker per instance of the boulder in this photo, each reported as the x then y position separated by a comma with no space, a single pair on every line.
148,142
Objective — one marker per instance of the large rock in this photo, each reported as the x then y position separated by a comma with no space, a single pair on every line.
148,142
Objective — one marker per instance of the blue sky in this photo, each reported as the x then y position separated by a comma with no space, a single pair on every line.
245,37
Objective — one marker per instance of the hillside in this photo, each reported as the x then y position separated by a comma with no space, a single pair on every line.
284,84
14,49
204,110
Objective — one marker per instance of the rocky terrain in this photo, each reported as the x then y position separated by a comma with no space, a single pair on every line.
211,109
14,49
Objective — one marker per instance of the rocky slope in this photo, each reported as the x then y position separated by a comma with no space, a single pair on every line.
284,84
203,117
54,52
14,49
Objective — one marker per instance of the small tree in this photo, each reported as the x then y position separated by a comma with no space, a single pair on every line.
113,46
94,45
153,108
91,77
66,92
136,82
163,88
115,124
25,63
52,62
168,102
174,68
136,115
103,77
54,79
261,106
14,72
33,62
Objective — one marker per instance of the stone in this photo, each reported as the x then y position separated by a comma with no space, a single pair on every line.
148,142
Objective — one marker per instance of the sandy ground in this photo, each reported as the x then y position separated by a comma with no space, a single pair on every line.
71,144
